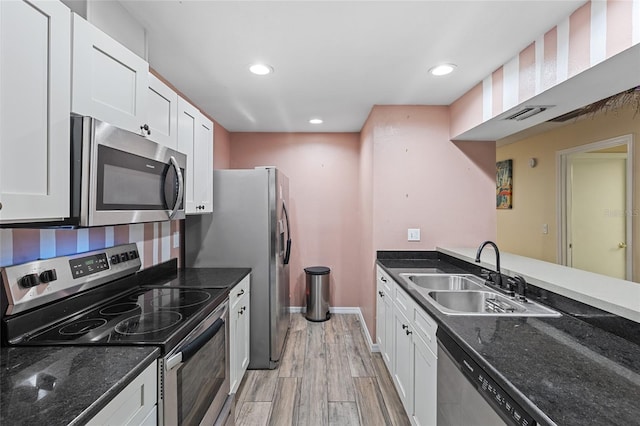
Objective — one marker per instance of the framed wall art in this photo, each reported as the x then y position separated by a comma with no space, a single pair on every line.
504,184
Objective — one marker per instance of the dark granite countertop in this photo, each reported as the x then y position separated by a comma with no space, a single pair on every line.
211,277
562,370
65,385
166,274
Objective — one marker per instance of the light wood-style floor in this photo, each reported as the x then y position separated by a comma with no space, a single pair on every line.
327,376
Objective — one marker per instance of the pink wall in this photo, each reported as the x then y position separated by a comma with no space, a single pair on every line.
413,176
466,112
324,204
423,180
353,194
367,252
221,147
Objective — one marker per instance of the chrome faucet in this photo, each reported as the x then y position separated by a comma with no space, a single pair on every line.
498,277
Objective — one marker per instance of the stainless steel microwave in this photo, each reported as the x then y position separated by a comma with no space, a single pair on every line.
120,177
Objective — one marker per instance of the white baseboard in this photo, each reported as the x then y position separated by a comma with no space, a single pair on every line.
373,347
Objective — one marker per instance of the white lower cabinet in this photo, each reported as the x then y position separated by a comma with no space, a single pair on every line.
384,318
239,315
407,333
134,405
403,360
425,374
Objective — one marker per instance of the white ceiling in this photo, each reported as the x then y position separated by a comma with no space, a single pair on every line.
332,59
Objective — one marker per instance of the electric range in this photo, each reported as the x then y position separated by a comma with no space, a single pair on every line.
101,298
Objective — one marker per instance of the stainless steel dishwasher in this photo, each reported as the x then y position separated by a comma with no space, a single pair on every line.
468,396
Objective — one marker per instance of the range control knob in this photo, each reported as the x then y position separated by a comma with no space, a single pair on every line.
30,280
48,276
115,259
133,254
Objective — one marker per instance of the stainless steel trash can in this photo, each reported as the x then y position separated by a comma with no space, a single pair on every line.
317,289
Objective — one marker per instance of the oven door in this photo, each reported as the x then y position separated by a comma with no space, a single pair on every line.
127,178
196,374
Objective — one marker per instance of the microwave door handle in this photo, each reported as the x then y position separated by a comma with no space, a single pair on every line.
175,208
191,348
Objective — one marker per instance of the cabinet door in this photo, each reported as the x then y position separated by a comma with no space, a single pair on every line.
187,130
389,329
162,113
403,360
203,166
234,336
110,82
134,403
424,384
243,336
380,317
384,325
35,74
195,139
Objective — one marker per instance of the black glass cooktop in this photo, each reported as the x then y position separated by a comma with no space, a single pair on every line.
148,316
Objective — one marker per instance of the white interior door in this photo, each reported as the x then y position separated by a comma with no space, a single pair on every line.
597,214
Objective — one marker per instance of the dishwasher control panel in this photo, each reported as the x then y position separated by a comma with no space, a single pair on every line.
509,410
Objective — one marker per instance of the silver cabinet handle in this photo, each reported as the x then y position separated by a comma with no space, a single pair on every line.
241,292
175,165
383,279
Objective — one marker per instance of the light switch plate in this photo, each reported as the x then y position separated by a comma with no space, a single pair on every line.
176,240
413,234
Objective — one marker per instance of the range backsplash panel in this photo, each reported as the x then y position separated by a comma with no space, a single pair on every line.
157,242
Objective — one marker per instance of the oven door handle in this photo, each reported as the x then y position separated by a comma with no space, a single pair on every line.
191,348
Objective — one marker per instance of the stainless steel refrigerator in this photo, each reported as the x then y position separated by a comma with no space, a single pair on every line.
250,227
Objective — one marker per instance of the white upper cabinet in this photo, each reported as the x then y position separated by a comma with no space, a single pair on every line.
110,82
35,71
203,166
162,113
195,139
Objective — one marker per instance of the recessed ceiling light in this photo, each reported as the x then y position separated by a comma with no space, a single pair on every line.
315,121
261,69
443,69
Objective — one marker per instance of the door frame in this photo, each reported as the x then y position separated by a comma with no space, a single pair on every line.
563,194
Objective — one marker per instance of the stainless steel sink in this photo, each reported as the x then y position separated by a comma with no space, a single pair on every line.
475,301
485,303
443,281
466,294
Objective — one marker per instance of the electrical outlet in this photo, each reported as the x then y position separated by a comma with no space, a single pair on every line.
176,240
413,234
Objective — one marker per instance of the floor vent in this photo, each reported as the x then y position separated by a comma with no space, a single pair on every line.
527,112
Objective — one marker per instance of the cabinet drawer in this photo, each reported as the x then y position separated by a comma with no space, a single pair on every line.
239,290
426,328
384,280
403,302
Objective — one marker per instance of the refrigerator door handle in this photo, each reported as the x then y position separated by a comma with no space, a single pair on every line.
287,253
